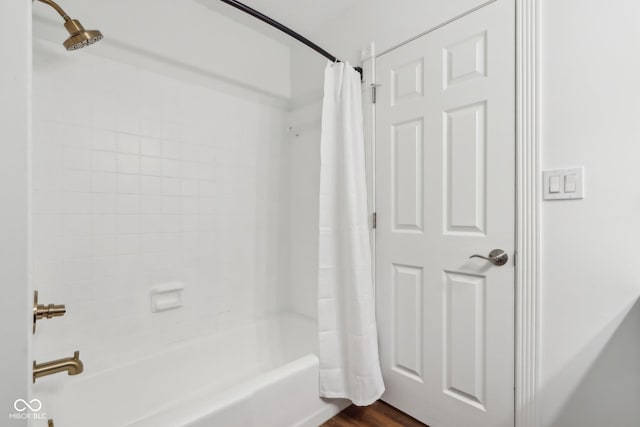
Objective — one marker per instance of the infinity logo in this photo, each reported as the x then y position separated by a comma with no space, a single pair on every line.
22,405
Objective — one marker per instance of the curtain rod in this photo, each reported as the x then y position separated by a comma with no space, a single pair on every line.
288,31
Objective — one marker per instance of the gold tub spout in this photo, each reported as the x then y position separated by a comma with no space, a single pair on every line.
73,366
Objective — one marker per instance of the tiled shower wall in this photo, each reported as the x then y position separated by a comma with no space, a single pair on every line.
139,180
304,189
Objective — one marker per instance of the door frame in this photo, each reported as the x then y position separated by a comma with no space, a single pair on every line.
528,196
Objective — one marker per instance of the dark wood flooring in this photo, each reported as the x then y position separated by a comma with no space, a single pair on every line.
377,415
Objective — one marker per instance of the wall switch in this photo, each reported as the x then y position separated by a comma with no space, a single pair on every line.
564,184
570,183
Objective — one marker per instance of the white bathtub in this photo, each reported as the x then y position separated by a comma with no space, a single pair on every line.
265,374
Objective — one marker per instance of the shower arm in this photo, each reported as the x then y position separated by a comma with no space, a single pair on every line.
57,9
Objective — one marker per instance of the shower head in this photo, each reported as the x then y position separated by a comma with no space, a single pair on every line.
78,36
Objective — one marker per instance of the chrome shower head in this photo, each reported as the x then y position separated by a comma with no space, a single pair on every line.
79,37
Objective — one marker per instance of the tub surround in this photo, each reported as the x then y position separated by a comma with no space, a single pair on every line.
140,179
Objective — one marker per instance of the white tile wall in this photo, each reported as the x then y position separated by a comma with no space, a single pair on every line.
139,179
304,190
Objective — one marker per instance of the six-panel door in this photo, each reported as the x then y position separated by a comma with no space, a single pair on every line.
445,179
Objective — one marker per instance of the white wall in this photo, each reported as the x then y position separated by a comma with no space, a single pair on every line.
184,34
15,38
140,179
590,309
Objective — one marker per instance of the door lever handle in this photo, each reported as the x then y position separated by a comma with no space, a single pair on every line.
496,257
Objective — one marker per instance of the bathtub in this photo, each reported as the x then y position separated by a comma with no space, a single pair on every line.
264,374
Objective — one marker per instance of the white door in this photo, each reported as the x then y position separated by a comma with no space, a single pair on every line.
445,184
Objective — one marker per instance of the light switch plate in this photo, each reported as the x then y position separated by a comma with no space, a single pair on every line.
553,177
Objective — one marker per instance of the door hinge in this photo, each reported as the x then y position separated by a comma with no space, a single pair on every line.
374,220
374,93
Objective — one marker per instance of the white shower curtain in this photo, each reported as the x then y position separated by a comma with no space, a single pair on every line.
349,362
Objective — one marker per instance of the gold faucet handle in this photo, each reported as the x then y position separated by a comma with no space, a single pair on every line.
42,311
50,311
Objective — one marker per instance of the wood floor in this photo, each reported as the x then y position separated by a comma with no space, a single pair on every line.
377,415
